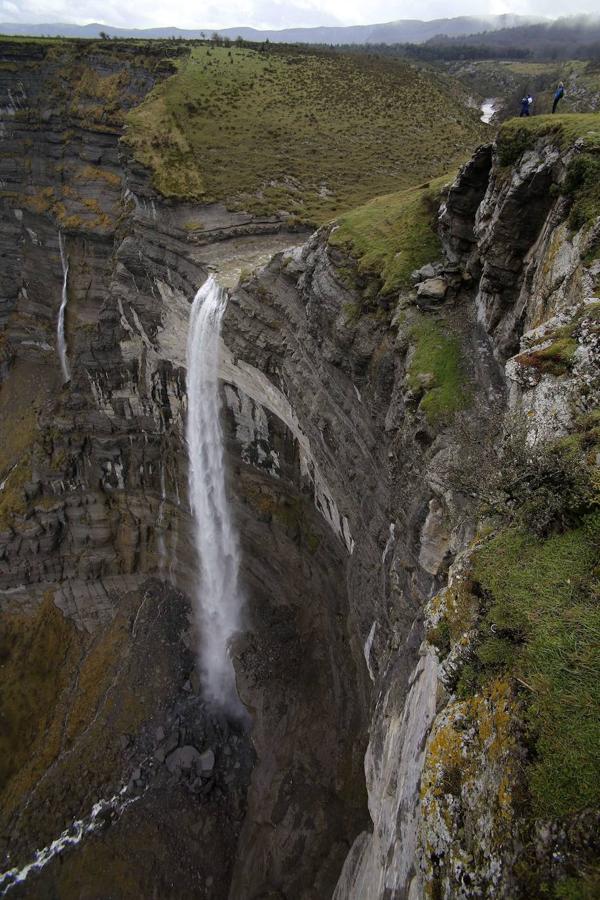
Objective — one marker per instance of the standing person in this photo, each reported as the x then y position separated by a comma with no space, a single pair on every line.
558,95
526,104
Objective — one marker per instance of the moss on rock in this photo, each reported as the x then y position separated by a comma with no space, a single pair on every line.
435,370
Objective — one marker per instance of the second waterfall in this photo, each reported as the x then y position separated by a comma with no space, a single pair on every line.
218,595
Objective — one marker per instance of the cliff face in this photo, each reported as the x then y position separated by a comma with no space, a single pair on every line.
451,802
364,774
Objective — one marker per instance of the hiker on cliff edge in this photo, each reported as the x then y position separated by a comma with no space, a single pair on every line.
526,104
558,95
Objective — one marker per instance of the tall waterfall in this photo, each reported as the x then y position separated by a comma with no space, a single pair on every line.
218,597
60,326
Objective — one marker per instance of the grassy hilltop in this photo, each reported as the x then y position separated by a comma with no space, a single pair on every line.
301,132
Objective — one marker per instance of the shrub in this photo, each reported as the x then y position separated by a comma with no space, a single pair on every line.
545,488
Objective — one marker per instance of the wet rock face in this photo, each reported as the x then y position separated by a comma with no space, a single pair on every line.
372,469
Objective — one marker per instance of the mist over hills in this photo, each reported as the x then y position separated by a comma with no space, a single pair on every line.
401,31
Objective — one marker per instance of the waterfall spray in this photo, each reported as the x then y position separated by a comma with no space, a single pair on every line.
60,326
218,597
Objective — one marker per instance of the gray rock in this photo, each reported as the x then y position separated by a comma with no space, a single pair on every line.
433,289
183,759
207,761
426,271
32,489
435,539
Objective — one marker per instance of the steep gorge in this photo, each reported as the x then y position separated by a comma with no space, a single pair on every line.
342,451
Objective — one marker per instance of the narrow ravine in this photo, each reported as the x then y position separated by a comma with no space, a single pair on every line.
218,597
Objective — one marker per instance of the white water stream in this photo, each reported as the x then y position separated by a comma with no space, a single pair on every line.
70,837
218,597
60,326
488,108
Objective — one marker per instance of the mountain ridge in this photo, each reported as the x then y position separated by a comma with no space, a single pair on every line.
401,30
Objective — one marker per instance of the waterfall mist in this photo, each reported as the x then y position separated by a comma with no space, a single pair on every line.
60,326
218,598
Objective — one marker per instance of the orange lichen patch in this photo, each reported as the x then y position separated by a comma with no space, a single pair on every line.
39,201
94,173
444,753
556,359
475,735
471,772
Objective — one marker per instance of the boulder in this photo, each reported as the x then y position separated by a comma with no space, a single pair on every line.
183,759
433,289
207,762
427,271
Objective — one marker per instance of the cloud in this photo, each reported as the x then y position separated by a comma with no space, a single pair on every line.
267,13
182,14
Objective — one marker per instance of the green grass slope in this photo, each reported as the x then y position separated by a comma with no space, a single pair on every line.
391,236
296,132
543,623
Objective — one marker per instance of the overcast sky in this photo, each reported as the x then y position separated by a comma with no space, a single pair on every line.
269,13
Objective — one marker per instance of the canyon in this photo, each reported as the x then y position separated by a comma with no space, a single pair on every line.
359,427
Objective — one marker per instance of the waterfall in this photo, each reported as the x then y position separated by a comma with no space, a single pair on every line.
218,597
60,326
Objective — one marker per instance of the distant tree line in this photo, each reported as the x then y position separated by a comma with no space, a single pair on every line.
572,38
568,38
432,51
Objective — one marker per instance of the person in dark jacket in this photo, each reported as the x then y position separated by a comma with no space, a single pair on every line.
526,104
558,95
